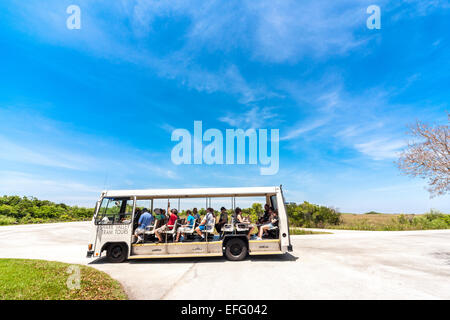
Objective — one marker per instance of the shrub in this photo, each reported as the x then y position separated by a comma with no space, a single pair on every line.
311,215
421,222
8,210
432,220
4,220
438,224
446,219
403,219
437,220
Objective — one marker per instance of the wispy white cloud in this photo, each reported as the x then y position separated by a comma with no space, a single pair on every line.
167,127
149,168
304,128
412,185
408,9
291,30
41,155
352,131
367,122
273,31
256,117
224,79
127,42
381,149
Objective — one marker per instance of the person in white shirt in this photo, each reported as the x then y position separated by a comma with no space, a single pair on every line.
208,220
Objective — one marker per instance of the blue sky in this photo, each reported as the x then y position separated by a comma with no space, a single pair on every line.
89,109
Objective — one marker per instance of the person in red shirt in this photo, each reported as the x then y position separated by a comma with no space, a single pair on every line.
169,225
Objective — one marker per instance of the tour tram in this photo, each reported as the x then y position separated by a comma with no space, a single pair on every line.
114,222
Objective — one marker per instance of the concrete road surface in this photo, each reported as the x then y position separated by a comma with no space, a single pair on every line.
342,265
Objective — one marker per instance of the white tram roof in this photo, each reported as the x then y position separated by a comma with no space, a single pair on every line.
193,193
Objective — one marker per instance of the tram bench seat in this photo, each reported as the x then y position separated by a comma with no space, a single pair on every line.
149,230
187,229
173,230
242,227
209,228
272,233
228,227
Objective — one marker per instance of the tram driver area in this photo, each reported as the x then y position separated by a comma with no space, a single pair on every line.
161,226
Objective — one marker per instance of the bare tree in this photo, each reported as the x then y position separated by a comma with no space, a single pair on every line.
428,156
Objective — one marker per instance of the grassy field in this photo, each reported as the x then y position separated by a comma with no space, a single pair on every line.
22,279
391,222
370,221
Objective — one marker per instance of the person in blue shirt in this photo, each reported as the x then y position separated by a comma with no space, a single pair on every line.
190,220
145,220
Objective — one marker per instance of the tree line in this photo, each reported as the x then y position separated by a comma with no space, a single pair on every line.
22,210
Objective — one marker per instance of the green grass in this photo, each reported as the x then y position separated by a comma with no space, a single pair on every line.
8,221
22,279
298,231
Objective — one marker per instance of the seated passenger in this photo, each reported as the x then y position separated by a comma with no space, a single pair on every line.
145,220
159,217
163,218
223,219
272,224
158,214
266,216
137,215
239,218
169,225
196,215
190,220
208,220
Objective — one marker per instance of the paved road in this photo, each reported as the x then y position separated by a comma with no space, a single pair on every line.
343,265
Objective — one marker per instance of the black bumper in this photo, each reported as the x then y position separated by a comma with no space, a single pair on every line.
89,254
